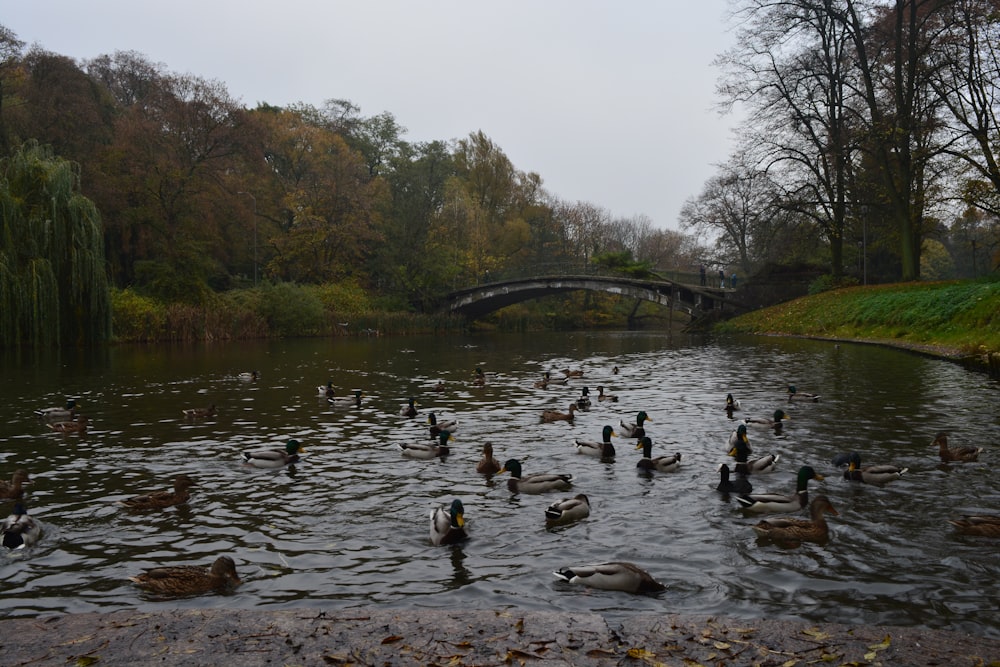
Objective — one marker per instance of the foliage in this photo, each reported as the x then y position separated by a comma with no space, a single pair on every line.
52,281
828,282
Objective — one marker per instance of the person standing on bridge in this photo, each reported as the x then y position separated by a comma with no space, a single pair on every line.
732,282
701,272
722,279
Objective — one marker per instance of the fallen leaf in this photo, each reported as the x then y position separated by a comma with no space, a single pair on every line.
86,660
886,643
392,639
639,654
816,634
722,646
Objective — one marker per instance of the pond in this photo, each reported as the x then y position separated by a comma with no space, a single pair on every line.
347,526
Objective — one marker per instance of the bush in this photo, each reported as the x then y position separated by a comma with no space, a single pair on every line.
828,282
136,318
292,310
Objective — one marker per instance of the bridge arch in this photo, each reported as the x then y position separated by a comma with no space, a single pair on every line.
475,302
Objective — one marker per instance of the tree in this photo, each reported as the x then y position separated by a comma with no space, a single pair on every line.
10,55
52,273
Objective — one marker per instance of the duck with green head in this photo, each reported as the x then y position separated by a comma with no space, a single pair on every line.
533,484
777,503
352,401
58,413
661,463
634,429
603,449
20,531
614,576
448,525
426,451
877,474
410,409
796,395
778,418
274,458
568,510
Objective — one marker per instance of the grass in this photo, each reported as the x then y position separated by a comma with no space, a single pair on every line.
953,318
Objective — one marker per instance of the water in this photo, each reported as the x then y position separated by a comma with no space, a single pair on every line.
348,526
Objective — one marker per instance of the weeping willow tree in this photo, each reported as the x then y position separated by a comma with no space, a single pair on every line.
53,284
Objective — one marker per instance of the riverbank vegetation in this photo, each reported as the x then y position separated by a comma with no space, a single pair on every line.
957,319
183,214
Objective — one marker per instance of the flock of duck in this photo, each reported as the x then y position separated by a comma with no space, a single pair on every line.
447,524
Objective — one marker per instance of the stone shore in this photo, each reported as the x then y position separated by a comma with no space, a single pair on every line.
433,637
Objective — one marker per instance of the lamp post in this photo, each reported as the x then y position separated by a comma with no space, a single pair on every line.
250,194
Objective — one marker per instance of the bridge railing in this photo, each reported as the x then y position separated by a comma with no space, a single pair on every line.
578,269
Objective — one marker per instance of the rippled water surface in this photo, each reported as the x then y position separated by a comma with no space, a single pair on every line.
348,526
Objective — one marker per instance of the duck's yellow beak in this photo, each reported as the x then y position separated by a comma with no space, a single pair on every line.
819,477
460,520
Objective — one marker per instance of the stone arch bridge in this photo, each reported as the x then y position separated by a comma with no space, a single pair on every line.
480,300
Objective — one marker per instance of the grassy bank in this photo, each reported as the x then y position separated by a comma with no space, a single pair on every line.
955,319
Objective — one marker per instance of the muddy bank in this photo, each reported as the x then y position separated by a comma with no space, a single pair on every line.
431,637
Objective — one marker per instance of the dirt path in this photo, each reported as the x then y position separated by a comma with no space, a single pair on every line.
504,638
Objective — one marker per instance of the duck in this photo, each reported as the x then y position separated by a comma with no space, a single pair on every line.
986,525
162,499
614,576
813,529
534,484
79,425
435,428
479,377
732,405
568,509
487,464
182,580
572,373
601,396
963,453
776,503
739,485
425,451
20,531
352,401
763,464
876,474
635,429
603,449
274,458
740,449
796,395
841,460
439,386
659,464
15,487
614,371
583,403
448,525
249,376
549,416
410,409
197,413
57,413
326,391
778,418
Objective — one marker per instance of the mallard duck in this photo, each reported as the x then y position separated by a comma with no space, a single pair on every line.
583,402
435,428
614,371
732,405
352,401
410,409
426,451
841,460
274,458
79,425
20,531
568,509
197,413
58,414
15,487
572,373
488,465
249,376
876,474
740,449
727,485
987,525
776,503
796,395
162,499
659,464
777,420
534,484
603,449
763,464
478,377
635,429
326,391
964,453
181,580
549,416
439,386
616,576
448,525
601,396
790,530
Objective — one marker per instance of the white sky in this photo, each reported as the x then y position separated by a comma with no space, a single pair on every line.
610,102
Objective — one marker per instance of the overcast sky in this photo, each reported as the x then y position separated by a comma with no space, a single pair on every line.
611,103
